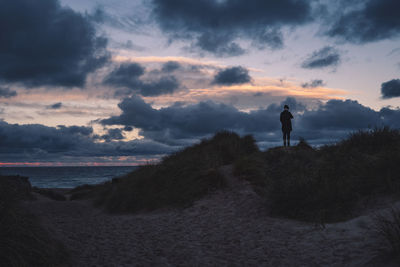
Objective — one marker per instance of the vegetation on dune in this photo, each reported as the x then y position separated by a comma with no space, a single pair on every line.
300,182
177,181
23,242
387,227
325,184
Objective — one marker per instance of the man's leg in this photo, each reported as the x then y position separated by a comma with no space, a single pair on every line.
288,138
284,138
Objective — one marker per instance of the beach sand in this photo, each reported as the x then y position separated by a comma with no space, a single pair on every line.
229,227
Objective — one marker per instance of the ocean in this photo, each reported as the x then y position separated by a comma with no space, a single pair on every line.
67,177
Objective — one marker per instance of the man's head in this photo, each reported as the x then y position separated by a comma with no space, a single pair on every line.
286,107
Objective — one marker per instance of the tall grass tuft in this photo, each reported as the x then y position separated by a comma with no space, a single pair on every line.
388,230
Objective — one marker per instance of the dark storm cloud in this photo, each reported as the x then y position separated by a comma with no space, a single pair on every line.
75,130
390,117
167,129
391,89
128,129
165,85
325,57
341,115
373,20
177,123
221,45
215,25
129,75
313,84
43,43
35,142
113,134
30,138
55,106
7,92
126,75
231,76
171,66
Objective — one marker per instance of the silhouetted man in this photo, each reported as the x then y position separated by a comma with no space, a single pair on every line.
286,122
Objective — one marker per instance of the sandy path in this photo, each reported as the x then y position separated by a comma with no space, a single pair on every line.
230,227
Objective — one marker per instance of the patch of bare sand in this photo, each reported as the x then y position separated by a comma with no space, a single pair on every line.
230,227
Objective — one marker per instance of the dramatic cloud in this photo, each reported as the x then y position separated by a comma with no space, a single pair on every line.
313,84
57,105
391,89
7,92
167,129
35,142
179,123
176,123
113,134
231,76
128,75
374,20
221,45
35,137
216,25
43,43
343,115
171,66
325,57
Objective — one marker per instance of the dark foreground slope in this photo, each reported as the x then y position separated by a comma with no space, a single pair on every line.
326,184
23,241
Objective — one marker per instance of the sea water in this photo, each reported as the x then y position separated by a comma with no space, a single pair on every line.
67,177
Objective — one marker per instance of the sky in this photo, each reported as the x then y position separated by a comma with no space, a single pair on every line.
125,82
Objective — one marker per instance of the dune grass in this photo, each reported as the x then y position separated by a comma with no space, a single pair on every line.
177,181
324,185
23,241
387,227
300,182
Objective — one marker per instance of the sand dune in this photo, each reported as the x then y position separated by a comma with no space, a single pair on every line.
230,227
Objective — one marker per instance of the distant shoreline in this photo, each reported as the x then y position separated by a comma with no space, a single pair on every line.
67,176
72,166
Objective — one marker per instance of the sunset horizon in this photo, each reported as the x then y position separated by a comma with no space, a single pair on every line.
128,82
